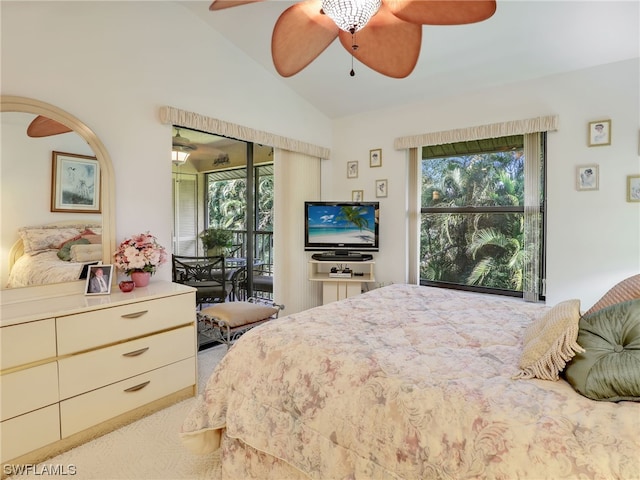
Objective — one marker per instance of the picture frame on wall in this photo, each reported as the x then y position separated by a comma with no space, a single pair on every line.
587,177
633,188
352,169
375,157
381,188
75,183
357,195
600,133
99,280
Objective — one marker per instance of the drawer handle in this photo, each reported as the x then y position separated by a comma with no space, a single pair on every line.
137,387
135,315
135,353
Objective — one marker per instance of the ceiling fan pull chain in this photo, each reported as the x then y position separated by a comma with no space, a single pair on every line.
354,47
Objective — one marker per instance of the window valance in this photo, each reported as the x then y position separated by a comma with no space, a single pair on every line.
516,127
183,118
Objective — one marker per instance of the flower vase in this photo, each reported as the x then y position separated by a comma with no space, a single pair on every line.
141,279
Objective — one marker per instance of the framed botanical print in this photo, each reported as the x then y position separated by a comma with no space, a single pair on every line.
75,183
357,195
633,188
587,177
352,169
381,188
375,157
600,133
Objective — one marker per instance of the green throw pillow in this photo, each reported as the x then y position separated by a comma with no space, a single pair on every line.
609,368
65,251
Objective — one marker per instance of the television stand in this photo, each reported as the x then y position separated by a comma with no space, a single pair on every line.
342,256
339,285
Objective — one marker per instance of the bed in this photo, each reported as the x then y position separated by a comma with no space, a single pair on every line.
417,383
54,253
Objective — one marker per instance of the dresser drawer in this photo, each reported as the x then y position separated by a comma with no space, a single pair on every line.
95,369
110,325
81,412
28,389
28,432
27,342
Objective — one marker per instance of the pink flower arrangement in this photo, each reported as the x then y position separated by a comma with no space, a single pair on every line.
140,253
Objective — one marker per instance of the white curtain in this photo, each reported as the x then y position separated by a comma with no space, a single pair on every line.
297,178
532,227
413,211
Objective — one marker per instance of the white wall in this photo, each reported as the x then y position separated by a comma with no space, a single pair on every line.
593,238
114,64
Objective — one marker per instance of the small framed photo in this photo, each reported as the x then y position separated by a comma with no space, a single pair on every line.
357,195
75,183
633,188
587,177
352,169
99,280
381,188
375,157
600,133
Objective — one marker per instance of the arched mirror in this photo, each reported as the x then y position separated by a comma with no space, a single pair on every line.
35,168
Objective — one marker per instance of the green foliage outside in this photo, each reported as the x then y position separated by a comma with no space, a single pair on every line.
216,237
466,245
228,204
227,209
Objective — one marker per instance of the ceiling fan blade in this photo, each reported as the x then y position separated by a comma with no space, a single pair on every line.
222,4
44,127
388,45
299,36
442,12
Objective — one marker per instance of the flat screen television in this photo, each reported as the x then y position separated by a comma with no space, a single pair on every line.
341,226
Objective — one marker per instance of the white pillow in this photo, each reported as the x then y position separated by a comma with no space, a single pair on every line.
40,239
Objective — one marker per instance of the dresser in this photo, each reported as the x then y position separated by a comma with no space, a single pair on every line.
74,367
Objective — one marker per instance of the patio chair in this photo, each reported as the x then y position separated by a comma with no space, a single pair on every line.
206,274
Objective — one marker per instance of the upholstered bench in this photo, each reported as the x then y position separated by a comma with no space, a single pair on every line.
229,320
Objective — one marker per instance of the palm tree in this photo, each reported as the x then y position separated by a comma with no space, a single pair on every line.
453,242
501,269
354,215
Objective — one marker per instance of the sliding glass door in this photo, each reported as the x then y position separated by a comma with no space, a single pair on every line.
226,184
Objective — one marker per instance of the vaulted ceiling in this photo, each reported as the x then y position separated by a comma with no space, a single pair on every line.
523,40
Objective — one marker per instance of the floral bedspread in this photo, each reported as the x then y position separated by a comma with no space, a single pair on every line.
409,382
43,268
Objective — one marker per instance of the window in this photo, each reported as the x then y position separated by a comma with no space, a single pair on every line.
476,224
227,207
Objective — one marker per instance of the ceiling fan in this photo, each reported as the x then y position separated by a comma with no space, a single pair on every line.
389,32
44,127
181,148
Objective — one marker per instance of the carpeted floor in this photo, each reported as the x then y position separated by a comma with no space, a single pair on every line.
147,449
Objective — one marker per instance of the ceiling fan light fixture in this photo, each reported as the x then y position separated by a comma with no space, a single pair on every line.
350,15
179,157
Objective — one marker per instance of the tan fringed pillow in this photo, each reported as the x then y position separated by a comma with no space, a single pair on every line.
86,253
550,342
627,289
